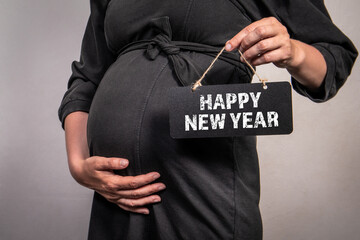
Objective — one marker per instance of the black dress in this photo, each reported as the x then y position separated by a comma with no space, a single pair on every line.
132,53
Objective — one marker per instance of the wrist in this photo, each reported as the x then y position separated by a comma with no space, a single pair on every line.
297,56
76,167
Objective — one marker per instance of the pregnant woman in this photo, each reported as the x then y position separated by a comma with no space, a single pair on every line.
115,112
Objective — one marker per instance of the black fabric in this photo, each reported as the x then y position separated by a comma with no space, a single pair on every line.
132,53
185,68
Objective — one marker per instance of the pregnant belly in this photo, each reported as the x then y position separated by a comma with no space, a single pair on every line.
129,119
121,101
129,113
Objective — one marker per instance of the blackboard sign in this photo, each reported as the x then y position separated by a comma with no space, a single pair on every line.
230,110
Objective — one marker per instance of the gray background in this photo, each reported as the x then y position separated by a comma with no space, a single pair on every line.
310,179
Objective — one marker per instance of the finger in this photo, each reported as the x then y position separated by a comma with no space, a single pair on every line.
141,192
102,163
134,182
109,196
237,39
262,47
133,203
115,199
278,56
140,210
259,33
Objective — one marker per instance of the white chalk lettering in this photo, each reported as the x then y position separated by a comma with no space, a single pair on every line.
203,121
243,98
259,119
235,119
255,98
230,99
247,119
219,102
207,101
272,117
190,122
217,121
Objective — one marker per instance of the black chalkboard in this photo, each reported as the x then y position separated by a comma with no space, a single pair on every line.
230,110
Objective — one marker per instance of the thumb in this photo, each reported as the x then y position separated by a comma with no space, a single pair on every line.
103,163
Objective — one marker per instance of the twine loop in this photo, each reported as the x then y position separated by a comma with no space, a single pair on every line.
198,82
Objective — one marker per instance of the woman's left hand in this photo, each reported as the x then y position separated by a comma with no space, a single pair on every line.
264,41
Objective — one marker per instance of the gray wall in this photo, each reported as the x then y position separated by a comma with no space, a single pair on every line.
310,181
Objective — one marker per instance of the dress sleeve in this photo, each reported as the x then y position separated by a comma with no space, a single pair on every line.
95,59
309,22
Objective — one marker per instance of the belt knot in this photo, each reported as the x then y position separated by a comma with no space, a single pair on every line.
162,41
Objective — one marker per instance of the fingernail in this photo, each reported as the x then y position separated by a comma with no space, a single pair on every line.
155,176
156,199
228,47
161,187
242,59
123,163
145,212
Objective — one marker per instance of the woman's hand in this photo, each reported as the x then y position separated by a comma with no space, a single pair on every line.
268,41
264,41
129,193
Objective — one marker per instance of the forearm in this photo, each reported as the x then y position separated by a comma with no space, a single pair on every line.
76,141
308,65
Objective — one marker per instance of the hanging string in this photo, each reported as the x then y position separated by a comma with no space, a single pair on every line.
198,82
263,80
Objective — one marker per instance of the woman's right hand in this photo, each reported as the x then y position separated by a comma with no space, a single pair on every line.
130,193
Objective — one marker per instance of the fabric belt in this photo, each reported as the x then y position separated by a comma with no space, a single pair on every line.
186,69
